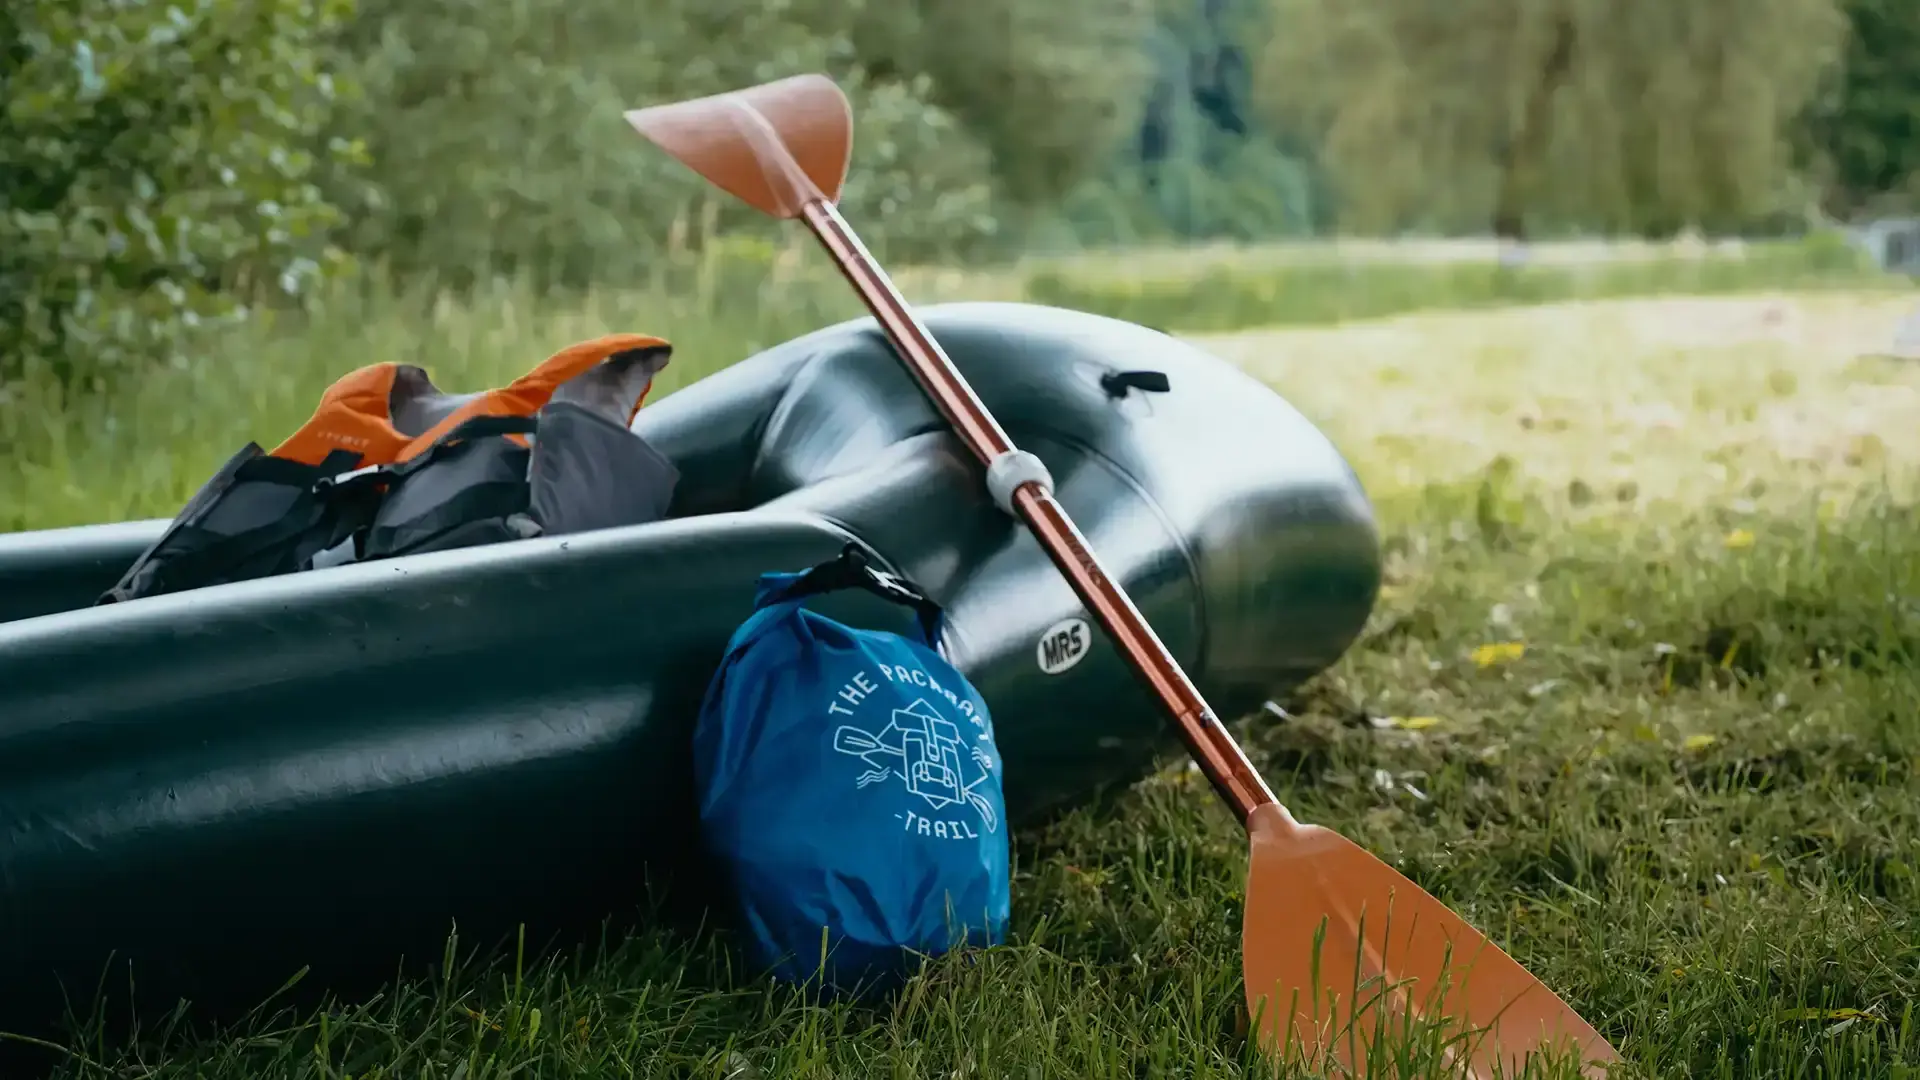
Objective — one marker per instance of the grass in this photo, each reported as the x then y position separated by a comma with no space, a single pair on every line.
1770,400
1641,700
1330,286
144,445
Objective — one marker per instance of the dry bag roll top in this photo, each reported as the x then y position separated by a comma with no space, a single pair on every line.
390,465
850,788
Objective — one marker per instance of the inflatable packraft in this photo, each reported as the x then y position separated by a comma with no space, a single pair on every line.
332,768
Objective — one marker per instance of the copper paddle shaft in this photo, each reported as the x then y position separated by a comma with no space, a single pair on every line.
1329,927
1233,776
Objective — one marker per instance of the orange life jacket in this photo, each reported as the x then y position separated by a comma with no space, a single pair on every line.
389,465
356,413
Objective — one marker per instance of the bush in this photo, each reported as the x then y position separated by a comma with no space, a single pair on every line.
157,167
500,149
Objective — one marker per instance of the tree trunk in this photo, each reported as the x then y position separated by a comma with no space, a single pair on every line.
1522,150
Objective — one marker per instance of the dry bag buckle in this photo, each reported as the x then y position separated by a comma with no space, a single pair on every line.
852,569
891,585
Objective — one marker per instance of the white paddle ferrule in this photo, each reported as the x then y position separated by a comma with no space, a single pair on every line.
1009,471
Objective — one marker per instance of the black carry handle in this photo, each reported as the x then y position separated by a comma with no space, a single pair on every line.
851,569
1118,383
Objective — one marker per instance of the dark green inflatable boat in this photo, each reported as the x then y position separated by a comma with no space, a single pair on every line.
333,768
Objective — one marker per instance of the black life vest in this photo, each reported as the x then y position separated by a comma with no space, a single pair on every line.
390,465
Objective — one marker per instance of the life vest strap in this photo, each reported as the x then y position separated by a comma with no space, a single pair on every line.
383,474
257,517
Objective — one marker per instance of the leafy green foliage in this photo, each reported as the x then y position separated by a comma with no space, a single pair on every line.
1050,88
163,168
499,146
1863,131
1530,113
1202,164
156,172
1717,871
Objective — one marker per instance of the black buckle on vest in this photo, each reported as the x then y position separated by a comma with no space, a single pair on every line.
477,427
328,484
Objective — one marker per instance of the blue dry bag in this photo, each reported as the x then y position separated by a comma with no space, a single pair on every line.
850,786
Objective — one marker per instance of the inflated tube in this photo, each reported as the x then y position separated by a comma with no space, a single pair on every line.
336,767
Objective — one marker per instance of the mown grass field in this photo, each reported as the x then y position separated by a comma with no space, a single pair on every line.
1641,699
142,447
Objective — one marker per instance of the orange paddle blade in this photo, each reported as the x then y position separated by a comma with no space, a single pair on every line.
1346,959
776,146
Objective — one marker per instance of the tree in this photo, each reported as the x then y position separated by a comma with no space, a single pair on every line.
1213,167
499,148
1050,87
156,172
1861,136
1201,164
1519,114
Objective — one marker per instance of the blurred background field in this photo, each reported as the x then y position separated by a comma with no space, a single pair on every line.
1769,402
139,444
1575,284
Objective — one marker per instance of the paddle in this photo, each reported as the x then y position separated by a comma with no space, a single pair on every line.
1338,949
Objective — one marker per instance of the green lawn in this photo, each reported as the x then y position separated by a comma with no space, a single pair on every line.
142,447
1641,700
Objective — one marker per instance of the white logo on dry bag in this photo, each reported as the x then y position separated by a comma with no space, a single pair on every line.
930,754
1063,645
